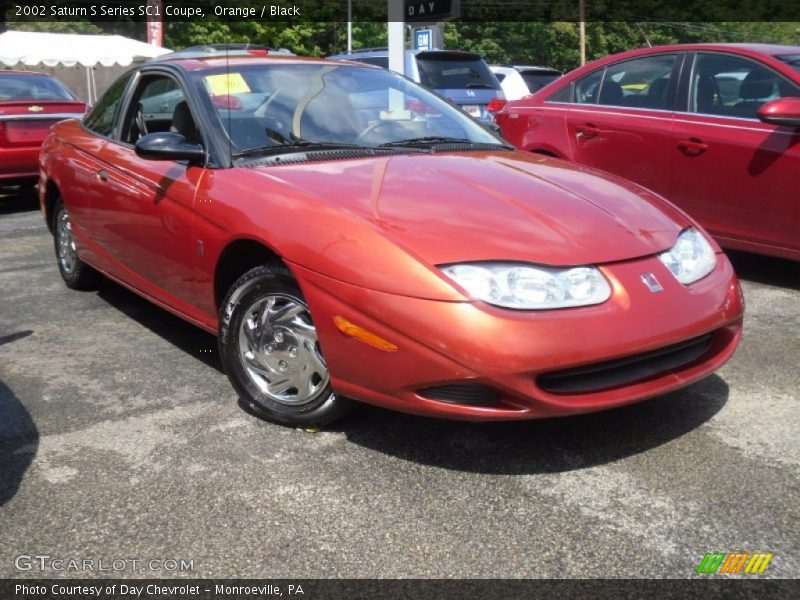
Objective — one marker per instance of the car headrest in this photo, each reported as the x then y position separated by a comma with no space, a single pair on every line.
706,94
658,90
611,93
183,123
757,86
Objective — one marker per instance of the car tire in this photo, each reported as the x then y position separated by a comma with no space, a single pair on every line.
269,349
75,273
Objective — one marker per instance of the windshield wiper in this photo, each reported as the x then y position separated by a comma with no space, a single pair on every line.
480,85
299,145
436,140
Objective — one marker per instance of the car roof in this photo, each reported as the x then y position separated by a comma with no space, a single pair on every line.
525,68
771,49
383,52
758,51
738,48
547,70
196,63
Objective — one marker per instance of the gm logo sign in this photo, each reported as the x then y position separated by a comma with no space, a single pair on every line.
734,562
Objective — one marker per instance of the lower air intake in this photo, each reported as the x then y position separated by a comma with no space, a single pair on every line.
461,393
626,370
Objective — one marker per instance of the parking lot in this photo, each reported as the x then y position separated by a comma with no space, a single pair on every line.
120,437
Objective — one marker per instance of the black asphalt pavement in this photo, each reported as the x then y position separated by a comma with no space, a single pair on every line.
121,439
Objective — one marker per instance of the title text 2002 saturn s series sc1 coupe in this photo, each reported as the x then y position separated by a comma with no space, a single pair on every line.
350,235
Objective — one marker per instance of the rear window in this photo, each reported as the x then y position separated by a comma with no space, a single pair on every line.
536,81
793,60
380,61
442,71
15,87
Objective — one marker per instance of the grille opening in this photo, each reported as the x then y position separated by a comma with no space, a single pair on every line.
626,370
461,393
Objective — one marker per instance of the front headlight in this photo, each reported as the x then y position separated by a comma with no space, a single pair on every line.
691,258
530,287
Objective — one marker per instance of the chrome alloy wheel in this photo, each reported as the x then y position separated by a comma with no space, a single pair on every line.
67,255
279,350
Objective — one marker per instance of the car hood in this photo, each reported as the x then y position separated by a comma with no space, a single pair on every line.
470,206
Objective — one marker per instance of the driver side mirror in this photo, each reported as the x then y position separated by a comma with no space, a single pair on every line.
783,111
168,145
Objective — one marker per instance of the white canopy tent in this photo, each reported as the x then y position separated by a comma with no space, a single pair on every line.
25,49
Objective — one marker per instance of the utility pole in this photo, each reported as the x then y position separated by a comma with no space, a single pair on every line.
349,26
582,29
397,51
397,36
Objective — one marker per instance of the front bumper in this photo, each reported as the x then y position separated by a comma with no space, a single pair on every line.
512,353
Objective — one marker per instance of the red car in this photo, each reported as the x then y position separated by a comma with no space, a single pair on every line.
29,104
350,235
712,127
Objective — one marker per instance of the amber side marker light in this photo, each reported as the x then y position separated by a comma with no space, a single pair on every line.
362,335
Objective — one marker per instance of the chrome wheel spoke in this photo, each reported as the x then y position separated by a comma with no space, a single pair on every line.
279,352
254,365
67,253
287,313
318,363
307,333
250,330
280,386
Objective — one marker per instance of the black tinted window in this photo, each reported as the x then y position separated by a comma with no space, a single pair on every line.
454,73
729,86
638,83
101,119
536,81
32,87
793,60
562,95
153,109
587,87
380,61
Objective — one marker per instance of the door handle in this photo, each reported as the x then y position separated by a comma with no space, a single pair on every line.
693,146
101,175
586,131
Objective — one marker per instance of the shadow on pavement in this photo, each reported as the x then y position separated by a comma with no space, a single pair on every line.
16,200
526,447
176,331
542,446
767,270
19,437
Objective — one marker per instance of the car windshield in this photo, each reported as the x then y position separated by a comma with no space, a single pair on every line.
39,88
793,60
444,71
270,106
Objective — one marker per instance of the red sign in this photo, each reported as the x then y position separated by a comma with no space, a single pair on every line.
155,26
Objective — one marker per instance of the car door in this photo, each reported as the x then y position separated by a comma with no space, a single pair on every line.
77,183
621,118
738,176
144,223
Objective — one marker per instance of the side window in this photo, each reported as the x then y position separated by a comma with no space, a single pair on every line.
729,86
101,119
587,87
562,95
158,105
638,83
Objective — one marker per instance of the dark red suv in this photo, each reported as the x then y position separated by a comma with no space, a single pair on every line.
715,128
